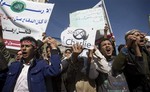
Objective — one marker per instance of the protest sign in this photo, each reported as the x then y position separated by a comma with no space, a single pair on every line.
93,17
21,18
83,36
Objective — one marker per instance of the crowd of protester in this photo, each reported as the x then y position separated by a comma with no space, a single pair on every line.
40,65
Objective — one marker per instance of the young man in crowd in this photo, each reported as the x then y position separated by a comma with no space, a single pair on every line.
134,61
105,80
29,74
67,54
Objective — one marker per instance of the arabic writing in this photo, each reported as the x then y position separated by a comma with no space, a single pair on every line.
9,43
29,20
12,43
17,31
21,18
47,10
91,15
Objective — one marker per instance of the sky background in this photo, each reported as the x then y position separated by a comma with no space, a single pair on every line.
123,15
60,15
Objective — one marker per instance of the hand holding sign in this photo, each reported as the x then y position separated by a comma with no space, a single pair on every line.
52,42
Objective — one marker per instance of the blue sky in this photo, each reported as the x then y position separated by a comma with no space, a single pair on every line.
60,16
123,15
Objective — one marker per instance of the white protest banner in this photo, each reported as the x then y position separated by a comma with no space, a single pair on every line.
93,17
83,36
23,18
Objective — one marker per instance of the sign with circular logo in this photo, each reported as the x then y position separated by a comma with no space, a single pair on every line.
18,6
80,34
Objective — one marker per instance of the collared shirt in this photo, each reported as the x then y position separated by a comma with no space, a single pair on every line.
22,83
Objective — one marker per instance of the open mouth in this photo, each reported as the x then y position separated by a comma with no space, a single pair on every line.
108,50
142,40
24,53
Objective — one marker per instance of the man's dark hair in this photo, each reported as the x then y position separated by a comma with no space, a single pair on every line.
68,50
103,39
30,39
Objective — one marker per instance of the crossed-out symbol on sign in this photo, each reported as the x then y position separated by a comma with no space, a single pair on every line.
80,34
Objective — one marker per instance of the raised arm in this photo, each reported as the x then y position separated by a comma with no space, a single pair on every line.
98,64
55,59
77,49
105,30
3,52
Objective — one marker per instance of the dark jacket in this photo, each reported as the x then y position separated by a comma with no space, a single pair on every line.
106,82
4,56
38,70
135,68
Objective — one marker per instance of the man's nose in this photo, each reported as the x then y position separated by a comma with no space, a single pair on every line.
23,47
107,45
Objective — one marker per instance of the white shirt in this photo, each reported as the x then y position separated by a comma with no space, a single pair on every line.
103,62
22,83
